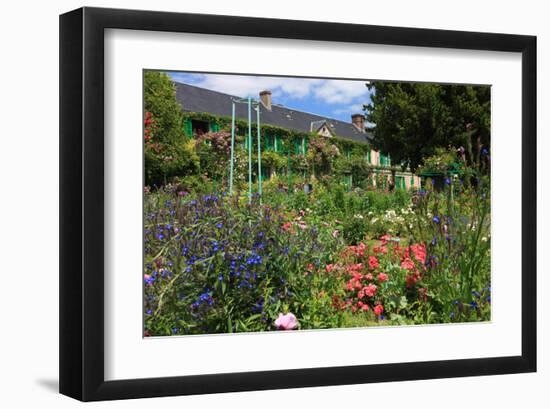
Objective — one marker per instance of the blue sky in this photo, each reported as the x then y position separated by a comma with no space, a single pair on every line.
337,99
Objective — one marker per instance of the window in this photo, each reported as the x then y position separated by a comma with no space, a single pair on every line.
300,146
199,127
269,142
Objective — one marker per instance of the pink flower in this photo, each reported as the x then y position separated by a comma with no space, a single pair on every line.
382,277
378,309
335,233
373,262
408,264
286,321
419,251
370,290
329,267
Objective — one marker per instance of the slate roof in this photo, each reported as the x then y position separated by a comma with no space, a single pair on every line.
196,99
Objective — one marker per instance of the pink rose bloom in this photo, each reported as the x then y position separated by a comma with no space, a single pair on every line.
382,277
370,290
408,264
373,262
286,321
378,309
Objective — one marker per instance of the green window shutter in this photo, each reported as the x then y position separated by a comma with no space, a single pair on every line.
304,145
214,127
297,146
188,127
400,182
276,143
368,156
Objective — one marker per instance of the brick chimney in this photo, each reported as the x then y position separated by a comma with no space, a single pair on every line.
265,97
359,121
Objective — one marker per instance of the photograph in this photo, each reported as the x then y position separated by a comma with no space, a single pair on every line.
278,203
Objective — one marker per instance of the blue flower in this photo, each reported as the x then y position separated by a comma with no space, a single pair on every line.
220,225
436,219
448,181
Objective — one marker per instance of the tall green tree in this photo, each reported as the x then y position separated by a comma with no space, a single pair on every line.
159,98
168,153
412,120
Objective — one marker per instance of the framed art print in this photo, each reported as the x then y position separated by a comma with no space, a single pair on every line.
254,204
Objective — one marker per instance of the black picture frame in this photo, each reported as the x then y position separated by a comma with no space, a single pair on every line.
82,203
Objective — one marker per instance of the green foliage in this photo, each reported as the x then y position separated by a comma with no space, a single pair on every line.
159,98
412,120
163,161
167,152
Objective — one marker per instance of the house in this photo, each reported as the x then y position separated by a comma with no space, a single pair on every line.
205,109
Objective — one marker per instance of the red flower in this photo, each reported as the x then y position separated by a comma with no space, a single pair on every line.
419,251
378,309
382,277
329,267
370,290
358,250
412,278
408,264
373,262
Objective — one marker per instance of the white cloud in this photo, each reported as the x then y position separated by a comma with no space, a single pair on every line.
245,85
351,109
329,91
340,91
